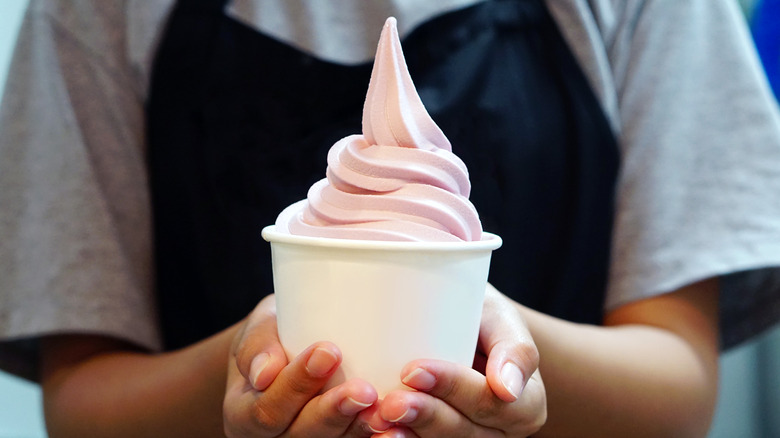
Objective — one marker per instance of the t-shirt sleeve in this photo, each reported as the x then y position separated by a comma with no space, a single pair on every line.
697,195
75,233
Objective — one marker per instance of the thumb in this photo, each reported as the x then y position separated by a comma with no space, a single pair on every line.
257,351
512,356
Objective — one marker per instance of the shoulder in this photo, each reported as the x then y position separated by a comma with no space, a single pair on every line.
115,36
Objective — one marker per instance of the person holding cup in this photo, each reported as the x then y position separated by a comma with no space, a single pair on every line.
600,141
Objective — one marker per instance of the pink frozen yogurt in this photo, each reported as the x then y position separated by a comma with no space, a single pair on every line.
397,181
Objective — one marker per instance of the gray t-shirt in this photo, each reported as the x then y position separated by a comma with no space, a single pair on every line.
698,130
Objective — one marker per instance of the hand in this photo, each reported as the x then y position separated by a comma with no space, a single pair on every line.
268,397
503,396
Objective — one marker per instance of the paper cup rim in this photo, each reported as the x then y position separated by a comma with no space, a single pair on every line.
489,241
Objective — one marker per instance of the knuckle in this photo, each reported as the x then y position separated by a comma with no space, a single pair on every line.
235,425
446,389
426,420
529,426
541,417
533,414
540,421
243,354
334,422
243,359
267,420
228,426
301,385
486,408
528,354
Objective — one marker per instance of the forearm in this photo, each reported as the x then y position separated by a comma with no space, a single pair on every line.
129,394
627,380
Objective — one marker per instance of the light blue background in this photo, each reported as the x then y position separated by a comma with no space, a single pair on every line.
750,375
20,400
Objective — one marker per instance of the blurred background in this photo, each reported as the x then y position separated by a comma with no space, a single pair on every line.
750,374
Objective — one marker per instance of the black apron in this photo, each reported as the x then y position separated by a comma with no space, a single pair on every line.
239,125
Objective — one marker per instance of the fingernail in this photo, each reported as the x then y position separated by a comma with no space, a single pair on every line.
350,406
321,362
512,379
420,379
257,366
372,430
409,415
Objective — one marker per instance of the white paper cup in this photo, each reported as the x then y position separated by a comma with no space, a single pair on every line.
382,303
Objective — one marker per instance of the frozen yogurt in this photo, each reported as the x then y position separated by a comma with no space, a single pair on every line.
399,180
389,235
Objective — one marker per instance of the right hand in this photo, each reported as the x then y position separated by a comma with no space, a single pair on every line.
268,397
489,400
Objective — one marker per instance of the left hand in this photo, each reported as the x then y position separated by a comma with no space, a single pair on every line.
502,396
267,396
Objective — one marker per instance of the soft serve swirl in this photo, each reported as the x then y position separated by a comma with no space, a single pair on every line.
397,181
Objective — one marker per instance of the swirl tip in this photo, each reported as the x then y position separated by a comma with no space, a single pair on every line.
393,113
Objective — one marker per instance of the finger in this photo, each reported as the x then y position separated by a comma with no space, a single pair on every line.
337,412
428,416
464,389
372,419
512,353
397,432
238,405
275,408
533,406
468,392
495,399
259,354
